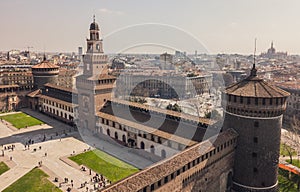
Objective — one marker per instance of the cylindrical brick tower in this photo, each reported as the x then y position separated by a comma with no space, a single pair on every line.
254,109
44,72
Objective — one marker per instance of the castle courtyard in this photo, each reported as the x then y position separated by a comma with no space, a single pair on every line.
51,145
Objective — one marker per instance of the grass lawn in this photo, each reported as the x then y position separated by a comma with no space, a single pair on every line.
295,162
286,183
284,150
113,169
3,168
34,181
21,120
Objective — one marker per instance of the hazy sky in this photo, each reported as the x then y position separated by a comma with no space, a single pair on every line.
222,26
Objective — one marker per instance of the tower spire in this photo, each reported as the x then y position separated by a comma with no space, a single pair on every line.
272,45
94,18
254,70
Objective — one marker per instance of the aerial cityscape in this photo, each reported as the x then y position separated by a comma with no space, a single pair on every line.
147,106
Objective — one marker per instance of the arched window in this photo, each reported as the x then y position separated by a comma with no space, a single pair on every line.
116,135
108,132
142,145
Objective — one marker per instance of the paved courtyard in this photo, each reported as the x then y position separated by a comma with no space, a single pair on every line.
61,141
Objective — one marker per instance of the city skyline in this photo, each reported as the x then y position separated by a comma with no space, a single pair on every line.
220,27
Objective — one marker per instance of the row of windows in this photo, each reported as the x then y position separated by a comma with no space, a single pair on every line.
140,133
61,106
106,81
191,164
45,69
57,113
249,100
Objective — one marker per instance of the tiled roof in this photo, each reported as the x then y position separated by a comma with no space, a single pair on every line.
45,65
101,77
34,93
165,111
147,129
255,87
164,168
58,101
60,88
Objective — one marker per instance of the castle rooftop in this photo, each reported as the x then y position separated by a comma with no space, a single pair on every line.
45,65
254,86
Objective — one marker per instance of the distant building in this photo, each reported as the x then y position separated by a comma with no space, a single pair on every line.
272,54
80,53
162,84
292,113
237,75
166,61
15,83
118,64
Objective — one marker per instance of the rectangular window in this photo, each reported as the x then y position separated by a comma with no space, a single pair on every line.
255,140
166,179
172,176
152,187
248,101
159,183
256,101
256,124
255,170
264,101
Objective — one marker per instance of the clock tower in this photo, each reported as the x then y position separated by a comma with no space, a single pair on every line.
94,60
94,85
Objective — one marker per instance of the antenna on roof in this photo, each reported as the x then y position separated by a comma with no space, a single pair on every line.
45,58
253,70
254,53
